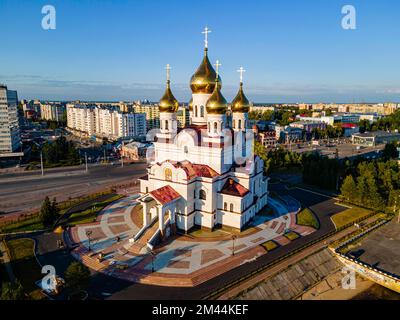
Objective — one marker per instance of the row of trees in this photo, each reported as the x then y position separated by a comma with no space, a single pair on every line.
277,159
60,151
373,184
391,122
282,116
329,132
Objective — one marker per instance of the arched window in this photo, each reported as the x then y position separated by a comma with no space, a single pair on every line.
194,193
195,111
166,124
215,127
202,111
202,195
168,174
209,127
231,207
234,122
240,124
225,206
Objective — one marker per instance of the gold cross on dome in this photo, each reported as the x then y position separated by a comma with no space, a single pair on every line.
217,65
168,68
206,32
241,71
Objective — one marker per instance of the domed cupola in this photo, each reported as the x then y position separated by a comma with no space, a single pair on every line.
216,104
168,103
240,102
191,105
204,79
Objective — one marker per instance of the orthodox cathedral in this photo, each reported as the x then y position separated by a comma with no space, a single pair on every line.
205,174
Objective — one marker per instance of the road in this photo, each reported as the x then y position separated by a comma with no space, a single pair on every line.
21,192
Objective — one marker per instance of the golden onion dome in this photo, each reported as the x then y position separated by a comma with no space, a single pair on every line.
191,105
168,103
203,80
216,104
240,104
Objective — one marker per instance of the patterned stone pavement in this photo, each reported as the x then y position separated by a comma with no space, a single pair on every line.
182,261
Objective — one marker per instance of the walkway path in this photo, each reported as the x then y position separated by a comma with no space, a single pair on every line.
183,260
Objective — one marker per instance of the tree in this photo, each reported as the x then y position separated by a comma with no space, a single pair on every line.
54,208
48,211
12,291
77,276
390,151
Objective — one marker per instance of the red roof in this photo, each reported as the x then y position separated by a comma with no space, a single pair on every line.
196,170
234,188
165,194
349,125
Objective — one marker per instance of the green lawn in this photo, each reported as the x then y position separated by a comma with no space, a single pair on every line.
25,266
30,224
291,235
270,245
34,223
349,216
307,218
89,215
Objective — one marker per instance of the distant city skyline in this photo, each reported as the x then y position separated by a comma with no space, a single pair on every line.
294,52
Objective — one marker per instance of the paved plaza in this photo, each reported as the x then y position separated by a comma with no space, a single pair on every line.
184,260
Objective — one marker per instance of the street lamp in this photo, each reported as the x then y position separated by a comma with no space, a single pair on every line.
233,244
88,234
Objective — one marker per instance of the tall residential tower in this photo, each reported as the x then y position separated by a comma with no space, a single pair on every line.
10,140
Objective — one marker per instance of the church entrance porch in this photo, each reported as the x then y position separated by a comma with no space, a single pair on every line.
160,207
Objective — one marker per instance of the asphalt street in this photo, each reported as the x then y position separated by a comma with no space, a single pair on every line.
23,191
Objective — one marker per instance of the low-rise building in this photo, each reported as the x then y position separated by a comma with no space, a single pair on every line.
268,139
135,150
287,134
372,139
349,129
308,126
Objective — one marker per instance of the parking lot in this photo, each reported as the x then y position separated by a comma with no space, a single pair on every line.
344,149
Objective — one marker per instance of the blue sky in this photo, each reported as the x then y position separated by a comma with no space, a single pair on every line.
293,50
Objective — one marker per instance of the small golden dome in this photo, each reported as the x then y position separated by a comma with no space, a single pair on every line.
240,104
203,80
191,105
168,103
216,104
